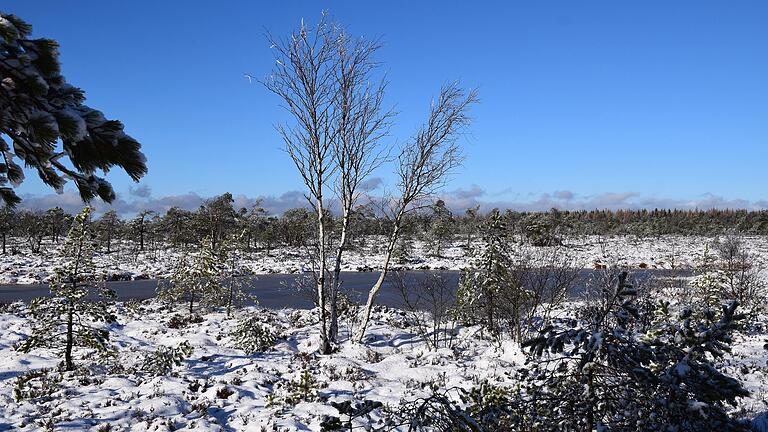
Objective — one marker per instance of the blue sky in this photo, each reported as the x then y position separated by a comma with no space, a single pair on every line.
648,103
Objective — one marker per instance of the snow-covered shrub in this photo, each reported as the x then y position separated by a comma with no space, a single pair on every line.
542,229
11,308
710,288
348,373
507,293
134,308
251,336
178,321
404,249
743,272
301,388
41,383
604,374
732,273
165,358
440,411
490,405
484,407
224,392
477,299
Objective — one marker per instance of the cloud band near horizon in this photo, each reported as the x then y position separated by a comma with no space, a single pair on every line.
140,198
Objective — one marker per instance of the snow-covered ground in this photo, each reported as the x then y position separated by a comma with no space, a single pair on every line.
287,388
290,387
392,365
585,252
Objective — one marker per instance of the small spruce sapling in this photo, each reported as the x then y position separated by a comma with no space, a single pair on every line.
67,319
484,289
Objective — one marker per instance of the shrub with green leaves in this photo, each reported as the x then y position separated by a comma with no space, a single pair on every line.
165,358
252,336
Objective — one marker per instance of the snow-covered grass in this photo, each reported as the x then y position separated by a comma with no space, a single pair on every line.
585,252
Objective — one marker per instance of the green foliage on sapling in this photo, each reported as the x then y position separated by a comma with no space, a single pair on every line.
79,300
234,277
194,279
478,297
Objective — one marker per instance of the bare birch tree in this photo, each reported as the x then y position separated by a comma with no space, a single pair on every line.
304,78
361,123
424,165
324,78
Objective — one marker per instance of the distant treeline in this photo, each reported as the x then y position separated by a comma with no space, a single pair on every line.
217,219
656,222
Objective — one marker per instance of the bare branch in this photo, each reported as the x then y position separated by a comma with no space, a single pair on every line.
426,162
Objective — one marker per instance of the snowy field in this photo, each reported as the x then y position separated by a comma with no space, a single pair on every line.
286,388
585,252
266,389
147,382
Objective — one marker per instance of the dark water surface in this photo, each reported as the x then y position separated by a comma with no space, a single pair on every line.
278,290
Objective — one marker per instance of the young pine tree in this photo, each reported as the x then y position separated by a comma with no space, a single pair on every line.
79,300
489,284
194,280
441,229
234,276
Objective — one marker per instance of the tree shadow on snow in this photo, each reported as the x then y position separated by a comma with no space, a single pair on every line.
402,339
